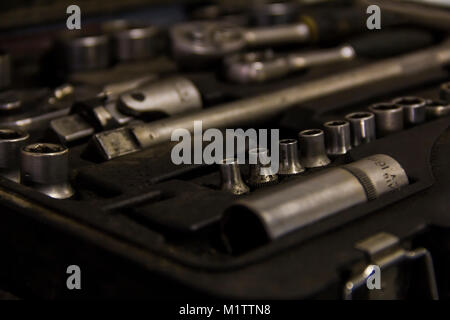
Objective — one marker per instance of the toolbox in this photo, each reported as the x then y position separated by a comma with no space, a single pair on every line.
139,225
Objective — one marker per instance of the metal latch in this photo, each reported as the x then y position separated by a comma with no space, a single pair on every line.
384,251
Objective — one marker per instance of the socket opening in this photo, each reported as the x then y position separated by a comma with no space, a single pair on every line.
288,141
311,132
44,148
11,135
138,96
359,115
409,101
386,107
335,123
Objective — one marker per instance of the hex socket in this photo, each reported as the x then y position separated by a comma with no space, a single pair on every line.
338,137
231,178
362,127
414,109
299,203
312,148
45,167
289,158
388,118
11,142
137,43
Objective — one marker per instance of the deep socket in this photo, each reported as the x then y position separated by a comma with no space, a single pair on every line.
11,142
261,173
338,137
289,158
414,109
45,167
312,148
298,203
388,118
231,178
362,126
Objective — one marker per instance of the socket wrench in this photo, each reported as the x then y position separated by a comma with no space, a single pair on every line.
255,67
296,204
256,109
200,43
45,167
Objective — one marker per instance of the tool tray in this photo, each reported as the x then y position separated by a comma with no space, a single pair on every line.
140,226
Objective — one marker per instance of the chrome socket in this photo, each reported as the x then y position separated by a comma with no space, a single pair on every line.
289,158
231,178
11,142
45,167
261,173
137,43
338,137
437,109
362,127
414,109
85,52
312,148
388,118
445,92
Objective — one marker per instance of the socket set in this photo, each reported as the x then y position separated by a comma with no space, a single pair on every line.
361,176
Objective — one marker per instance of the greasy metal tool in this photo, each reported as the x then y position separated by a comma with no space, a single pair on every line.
5,70
252,67
437,109
388,118
263,107
414,109
200,43
289,158
231,178
168,96
296,204
100,113
261,173
445,92
11,142
362,127
137,43
338,137
312,148
45,167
